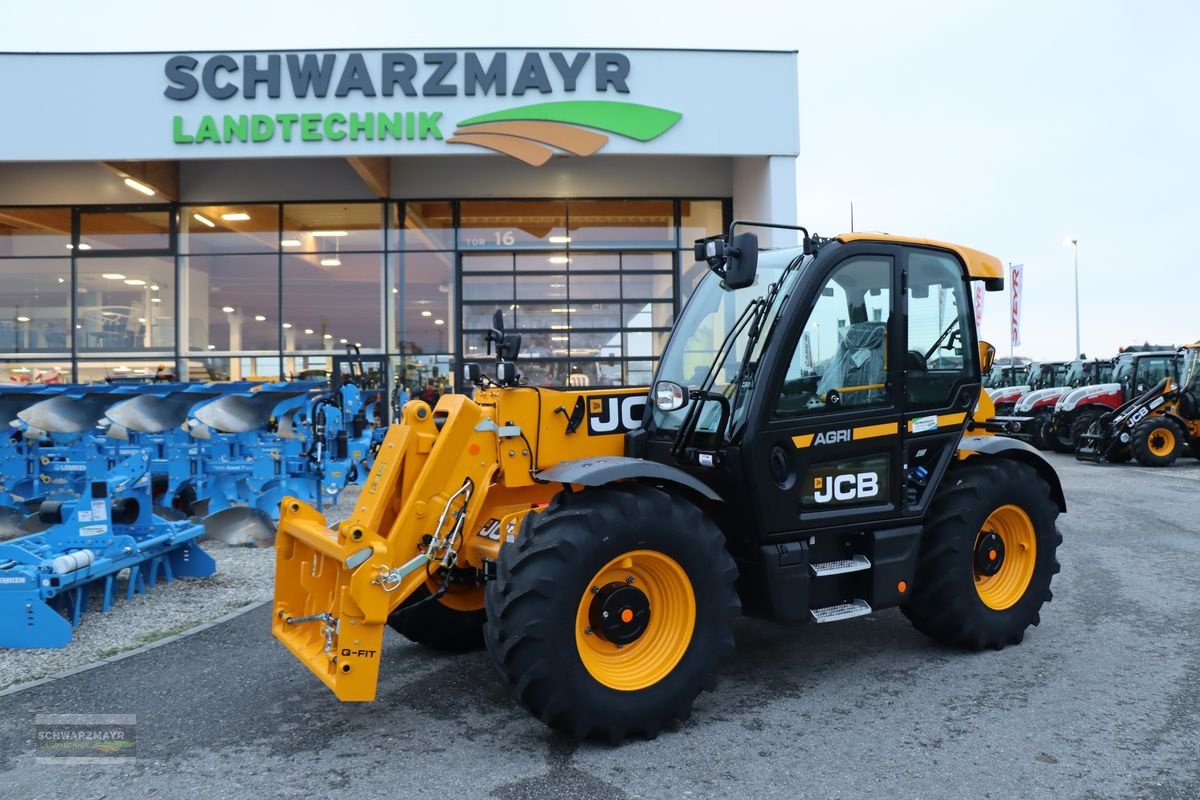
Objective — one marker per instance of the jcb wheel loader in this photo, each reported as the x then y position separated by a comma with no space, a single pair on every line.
1155,426
815,446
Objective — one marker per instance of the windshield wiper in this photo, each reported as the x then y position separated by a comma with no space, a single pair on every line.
698,396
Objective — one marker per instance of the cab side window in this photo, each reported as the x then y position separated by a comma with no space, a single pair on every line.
939,312
841,360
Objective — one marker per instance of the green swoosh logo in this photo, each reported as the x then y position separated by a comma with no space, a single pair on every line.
626,119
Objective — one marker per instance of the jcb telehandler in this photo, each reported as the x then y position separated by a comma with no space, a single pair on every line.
1155,426
601,543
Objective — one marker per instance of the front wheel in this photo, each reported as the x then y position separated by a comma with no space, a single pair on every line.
612,610
1042,434
1059,436
1156,441
987,556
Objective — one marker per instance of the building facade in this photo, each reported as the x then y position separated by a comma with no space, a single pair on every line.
248,215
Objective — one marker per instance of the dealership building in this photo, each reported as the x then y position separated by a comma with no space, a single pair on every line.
233,215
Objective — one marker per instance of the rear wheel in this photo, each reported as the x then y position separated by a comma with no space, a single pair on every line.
987,556
1156,441
611,612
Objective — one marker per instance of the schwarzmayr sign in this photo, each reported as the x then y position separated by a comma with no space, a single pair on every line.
530,132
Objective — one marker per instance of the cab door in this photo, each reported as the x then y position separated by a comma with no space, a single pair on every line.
827,451
940,379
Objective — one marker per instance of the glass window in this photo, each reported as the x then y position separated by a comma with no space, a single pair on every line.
134,370
35,305
334,297
939,313
34,232
627,223
427,225
423,291
655,262
48,371
491,224
647,287
229,229
125,304
233,303
699,219
332,227
135,229
1152,370
244,368
422,377
841,358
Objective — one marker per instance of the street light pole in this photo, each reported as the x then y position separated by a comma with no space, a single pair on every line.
1075,246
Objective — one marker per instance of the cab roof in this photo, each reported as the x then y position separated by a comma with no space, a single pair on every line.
979,264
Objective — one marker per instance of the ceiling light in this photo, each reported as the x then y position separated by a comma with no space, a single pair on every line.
155,299
439,322
154,287
290,242
330,233
308,331
21,370
559,338
121,368
203,220
212,347
113,276
141,319
140,187
259,318
344,341
331,262
426,313
62,280
395,290
134,282
235,216
22,319
85,246
559,260
560,327
286,326
562,310
78,327
559,239
70,247
557,285
227,309
328,336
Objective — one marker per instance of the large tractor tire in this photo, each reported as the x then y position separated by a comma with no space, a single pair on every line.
1156,441
987,556
1083,423
453,623
612,611
1060,442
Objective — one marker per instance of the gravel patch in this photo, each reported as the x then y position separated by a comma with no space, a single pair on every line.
244,576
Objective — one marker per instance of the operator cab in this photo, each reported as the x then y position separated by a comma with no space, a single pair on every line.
854,356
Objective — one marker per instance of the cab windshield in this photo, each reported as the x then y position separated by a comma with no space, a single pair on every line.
1123,371
1191,368
1074,377
706,321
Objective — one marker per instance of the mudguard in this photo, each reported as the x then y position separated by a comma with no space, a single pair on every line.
607,469
1005,447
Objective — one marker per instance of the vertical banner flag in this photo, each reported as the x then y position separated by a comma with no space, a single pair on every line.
978,305
1016,284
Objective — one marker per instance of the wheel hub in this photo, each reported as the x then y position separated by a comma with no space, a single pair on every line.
619,613
989,553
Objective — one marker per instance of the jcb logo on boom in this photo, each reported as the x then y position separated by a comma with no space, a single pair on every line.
843,488
615,413
832,437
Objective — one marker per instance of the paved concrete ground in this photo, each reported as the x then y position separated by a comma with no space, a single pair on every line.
1100,701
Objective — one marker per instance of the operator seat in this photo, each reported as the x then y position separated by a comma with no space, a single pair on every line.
859,361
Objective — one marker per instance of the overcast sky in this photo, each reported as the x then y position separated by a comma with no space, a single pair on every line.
1001,125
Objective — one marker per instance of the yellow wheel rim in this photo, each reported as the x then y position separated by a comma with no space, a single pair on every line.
667,633
1161,441
1003,573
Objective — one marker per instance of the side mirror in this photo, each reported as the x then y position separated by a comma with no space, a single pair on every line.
987,357
742,265
669,396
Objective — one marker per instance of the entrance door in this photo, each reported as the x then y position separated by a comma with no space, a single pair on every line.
832,444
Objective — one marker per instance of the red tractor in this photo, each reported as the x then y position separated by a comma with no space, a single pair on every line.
1041,375
1133,372
1037,407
